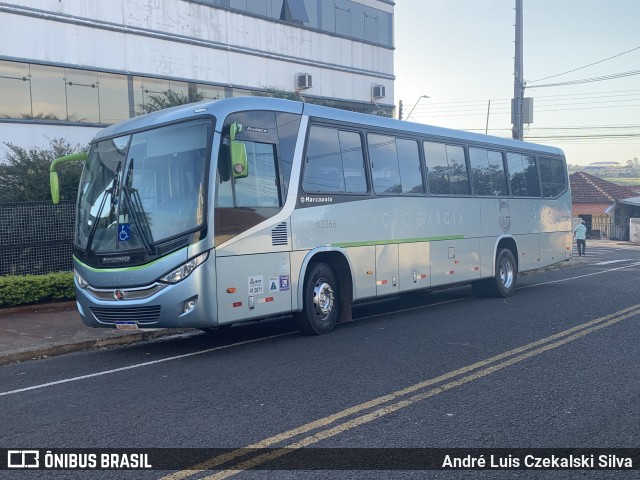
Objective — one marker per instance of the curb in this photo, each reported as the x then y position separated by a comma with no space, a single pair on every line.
88,345
40,307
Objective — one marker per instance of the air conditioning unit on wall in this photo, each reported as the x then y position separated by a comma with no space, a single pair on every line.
377,92
303,81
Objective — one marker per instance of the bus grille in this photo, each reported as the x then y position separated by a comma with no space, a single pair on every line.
279,235
135,314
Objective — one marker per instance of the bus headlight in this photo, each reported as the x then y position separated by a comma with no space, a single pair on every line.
82,283
185,270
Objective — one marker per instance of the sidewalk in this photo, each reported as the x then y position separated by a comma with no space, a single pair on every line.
39,331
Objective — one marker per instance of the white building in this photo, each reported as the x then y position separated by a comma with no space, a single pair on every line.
70,67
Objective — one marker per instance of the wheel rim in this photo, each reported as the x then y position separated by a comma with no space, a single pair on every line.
323,299
506,272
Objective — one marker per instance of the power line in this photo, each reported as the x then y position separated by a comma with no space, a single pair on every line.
590,80
585,66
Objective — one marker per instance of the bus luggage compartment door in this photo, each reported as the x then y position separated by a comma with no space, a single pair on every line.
387,270
415,269
253,286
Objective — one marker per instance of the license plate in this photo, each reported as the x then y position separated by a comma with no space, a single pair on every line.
127,326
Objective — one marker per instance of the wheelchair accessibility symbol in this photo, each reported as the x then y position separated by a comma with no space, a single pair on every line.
124,232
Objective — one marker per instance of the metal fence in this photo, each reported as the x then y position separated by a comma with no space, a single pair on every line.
36,237
607,228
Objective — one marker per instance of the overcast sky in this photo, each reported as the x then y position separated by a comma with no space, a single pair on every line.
460,54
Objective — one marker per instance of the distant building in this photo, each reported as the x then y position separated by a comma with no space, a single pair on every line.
597,167
69,68
604,206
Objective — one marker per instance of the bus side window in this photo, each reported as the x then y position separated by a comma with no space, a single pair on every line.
523,175
447,170
260,188
487,168
224,189
334,162
384,164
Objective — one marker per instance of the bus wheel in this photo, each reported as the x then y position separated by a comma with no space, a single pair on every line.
321,303
506,277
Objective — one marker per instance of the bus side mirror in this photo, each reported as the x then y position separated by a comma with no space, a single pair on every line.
54,183
238,151
55,187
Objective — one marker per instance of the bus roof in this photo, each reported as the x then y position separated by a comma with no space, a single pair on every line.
223,107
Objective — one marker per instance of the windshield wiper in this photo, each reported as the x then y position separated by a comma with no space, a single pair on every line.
114,194
137,211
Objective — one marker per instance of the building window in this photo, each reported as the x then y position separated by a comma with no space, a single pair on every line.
342,17
294,11
42,92
15,90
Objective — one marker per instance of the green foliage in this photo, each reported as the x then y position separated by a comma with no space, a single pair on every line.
34,289
277,92
168,98
24,174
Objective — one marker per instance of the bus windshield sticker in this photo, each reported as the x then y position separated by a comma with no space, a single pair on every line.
124,232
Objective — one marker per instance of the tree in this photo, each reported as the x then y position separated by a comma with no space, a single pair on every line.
169,98
24,174
277,92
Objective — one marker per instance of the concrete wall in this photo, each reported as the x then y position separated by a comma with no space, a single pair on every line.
191,41
634,230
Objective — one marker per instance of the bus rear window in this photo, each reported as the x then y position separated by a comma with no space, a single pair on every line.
552,176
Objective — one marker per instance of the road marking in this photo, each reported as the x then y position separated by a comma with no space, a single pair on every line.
329,426
200,352
580,276
609,262
139,365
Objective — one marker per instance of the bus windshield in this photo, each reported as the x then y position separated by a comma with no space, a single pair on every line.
142,189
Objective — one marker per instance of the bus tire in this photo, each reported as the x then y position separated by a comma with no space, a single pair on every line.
503,284
321,302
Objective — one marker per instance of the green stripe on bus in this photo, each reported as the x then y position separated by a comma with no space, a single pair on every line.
402,240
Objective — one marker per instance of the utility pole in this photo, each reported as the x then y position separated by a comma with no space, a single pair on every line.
400,110
486,128
518,80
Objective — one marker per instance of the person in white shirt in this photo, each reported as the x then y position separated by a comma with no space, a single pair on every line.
580,236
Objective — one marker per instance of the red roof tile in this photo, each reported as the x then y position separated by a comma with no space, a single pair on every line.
590,208
586,188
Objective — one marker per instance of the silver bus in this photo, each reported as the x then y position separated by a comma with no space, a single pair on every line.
215,213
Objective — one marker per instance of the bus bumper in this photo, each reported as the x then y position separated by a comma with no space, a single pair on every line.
190,303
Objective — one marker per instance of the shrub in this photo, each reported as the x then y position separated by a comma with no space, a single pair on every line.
34,289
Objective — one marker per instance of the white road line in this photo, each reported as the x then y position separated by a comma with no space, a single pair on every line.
138,365
223,347
614,261
580,276
178,357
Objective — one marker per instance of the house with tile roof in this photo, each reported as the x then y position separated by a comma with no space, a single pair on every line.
605,207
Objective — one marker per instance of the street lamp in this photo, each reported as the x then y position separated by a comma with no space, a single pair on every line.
416,104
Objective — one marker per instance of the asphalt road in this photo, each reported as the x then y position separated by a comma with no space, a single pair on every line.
554,366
